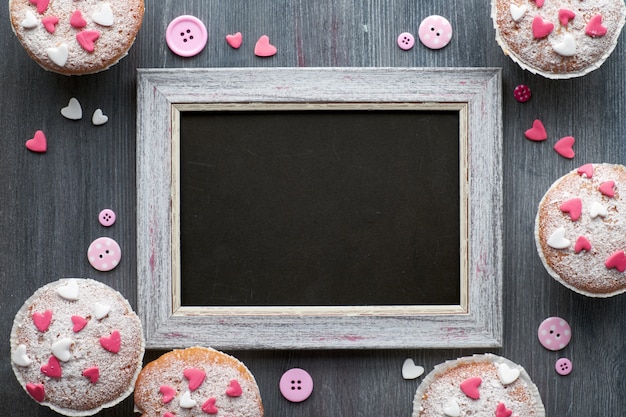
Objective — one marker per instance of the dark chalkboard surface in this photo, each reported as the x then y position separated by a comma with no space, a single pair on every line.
319,208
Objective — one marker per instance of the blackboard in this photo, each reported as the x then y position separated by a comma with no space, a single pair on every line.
345,207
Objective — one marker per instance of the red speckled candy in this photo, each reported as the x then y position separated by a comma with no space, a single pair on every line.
522,93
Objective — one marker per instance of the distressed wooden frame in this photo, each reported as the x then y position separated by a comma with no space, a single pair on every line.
475,92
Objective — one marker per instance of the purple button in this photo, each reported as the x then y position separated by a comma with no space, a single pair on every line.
554,333
563,366
406,41
296,385
106,217
104,254
186,36
435,32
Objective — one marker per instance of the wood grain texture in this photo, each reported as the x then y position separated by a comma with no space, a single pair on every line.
49,203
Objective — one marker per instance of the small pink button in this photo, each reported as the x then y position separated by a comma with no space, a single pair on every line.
296,385
106,217
104,254
406,41
435,32
186,36
554,333
563,366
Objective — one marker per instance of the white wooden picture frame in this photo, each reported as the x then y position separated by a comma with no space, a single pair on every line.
162,94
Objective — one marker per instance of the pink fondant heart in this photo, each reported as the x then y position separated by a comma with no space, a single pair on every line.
536,133
195,377
50,23
52,368
582,244
541,28
79,323
565,15
235,40
617,260
470,387
594,27
37,143
263,48
42,5
77,20
112,343
168,414
209,406
86,39
564,147
608,188
574,207
37,391
92,373
539,3
586,170
167,393
234,389
42,320
502,411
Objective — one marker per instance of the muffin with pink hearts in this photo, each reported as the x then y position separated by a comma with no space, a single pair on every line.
558,38
580,230
73,38
479,385
77,346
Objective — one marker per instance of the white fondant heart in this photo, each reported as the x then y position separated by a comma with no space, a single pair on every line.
100,310
20,357
105,16
597,209
30,21
69,291
506,374
99,118
73,110
61,349
557,239
59,54
186,401
410,370
451,408
566,47
517,12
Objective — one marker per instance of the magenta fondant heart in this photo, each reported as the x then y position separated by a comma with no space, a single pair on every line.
536,133
541,28
42,320
565,15
470,387
37,391
37,143
42,5
92,373
167,393
112,343
539,3
594,27
195,377
209,406
50,23
79,323
586,170
263,48
574,207
234,389
86,39
564,147
582,244
52,368
502,411
235,40
617,260
77,20
608,188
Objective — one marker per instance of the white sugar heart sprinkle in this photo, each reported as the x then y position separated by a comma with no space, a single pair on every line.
517,12
566,47
99,118
30,21
59,54
20,357
105,16
73,110
557,239
186,401
61,349
410,370
597,209
451,408
69,291
506,374
100,310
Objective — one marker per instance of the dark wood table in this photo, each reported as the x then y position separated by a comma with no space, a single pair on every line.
49,203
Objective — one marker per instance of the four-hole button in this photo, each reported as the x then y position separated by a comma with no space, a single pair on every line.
296,385
186,36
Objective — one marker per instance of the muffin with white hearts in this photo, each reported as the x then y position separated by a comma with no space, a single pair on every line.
76,37
479,385
77,346
558,38
197,381
580,230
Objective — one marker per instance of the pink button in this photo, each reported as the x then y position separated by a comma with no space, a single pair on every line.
186,36
406,41
435,32
563,366
296,385
106,217
554,333
104,254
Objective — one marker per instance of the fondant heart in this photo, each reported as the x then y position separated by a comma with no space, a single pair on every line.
574,207
52,368
42,5
30,21
541,28
92,373
263,48
86,39
539,3
506,374
186,401
59,54
582,244
77,20
69,291
73,110
536,133
235,40
234,389
517,12
470,387
557,239
617,260
167,393
195,377
597,209
168,414
586,170
565,15
594,28
451,408
566,46
20,357
410,370
104,17
42,320
37,143
79,323
502,411
112,343
50,23
564,147
209,406
100,310
61,349
608,188
98,118
37,391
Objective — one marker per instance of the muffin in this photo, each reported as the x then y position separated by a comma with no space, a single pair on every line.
479,385
77,346
558,38
580,230
197,381
73,38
